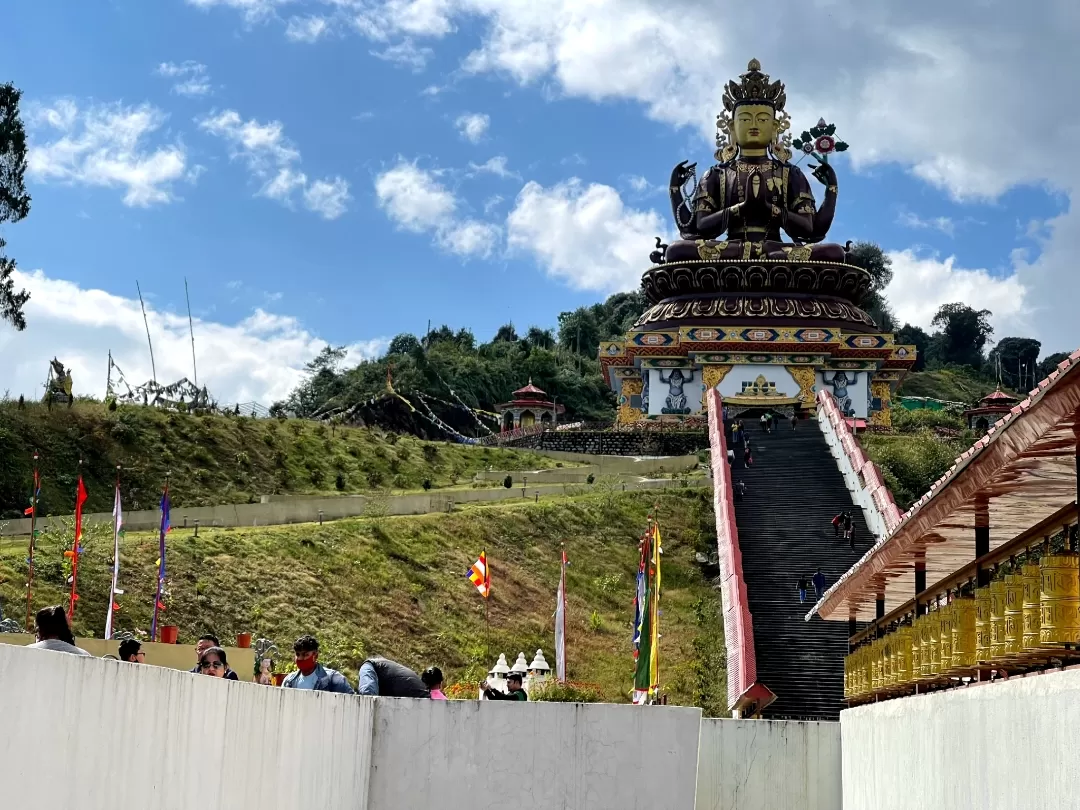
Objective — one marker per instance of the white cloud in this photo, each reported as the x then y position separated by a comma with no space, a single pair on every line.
271,158
921,284
106,145
584,234
473,126
253,10
416,201
909,219
306,29
406,54
496,166
260,358
192,78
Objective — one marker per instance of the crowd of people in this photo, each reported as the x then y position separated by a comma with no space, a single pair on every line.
377,675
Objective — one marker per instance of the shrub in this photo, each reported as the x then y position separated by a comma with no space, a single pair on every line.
596,622
567,692
431,453
374,478
427,484
317,476
339,482
591,479
508,482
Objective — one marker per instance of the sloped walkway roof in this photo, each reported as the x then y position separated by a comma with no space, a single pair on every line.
1020,473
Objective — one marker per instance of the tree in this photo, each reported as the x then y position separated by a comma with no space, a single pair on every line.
538,338
877,307
579,332
1049,364
1016,359
404,343
875,261
916,336
506,334
964,332
14,201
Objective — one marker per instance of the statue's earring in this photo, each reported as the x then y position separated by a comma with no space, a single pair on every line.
725,151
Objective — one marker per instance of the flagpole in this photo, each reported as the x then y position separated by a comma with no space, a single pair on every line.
161,558
117,523
191,328
33,533
80,499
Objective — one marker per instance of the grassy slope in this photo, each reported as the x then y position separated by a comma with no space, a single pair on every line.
954,384
396,586
215,459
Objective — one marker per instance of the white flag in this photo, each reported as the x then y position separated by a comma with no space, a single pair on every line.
560,625
118,521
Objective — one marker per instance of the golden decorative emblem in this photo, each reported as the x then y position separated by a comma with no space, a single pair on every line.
710,251
799,254
712,376
628,414
806,379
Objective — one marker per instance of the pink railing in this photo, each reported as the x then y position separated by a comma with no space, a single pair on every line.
874,495
738,625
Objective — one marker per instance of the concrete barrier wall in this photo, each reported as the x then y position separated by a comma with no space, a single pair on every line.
472,755
624,465
93,734
999,746
306,510
769,765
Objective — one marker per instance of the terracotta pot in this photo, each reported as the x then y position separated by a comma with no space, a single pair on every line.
243,640
279,677
169,633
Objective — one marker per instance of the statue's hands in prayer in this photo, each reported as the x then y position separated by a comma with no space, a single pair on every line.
825,174
681,173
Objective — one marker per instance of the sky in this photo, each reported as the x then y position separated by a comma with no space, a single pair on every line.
341,171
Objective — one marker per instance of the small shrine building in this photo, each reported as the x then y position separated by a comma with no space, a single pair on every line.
990,410
530,406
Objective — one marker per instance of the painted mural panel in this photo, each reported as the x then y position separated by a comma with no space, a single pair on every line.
745,378
851,389
673,391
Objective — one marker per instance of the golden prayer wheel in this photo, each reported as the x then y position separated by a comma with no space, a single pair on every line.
865,671
963,633
902,656
1014,614
945,638
916,650
875,675
997,619
982,624
1032,577
933,623
1060,599
926,653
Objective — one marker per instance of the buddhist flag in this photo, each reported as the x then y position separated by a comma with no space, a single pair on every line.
560,625
647,619
166,526
480,575
32,508
118,522
76,545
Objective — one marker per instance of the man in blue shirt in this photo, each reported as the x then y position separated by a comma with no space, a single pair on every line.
310,674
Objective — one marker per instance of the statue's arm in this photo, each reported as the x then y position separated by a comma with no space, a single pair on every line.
804,220
712,213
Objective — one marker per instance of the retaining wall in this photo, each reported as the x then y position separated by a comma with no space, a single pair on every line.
768,765
999,746
92,734
618,443
306,510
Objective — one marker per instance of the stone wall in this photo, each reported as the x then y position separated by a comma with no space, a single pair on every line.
618,443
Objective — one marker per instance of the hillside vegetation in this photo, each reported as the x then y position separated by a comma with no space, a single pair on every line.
397,586
215,459
952,384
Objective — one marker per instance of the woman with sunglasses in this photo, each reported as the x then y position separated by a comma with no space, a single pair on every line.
213,662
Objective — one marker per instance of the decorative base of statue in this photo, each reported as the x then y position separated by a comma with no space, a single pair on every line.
675,411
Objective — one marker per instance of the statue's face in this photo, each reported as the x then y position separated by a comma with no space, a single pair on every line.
755,126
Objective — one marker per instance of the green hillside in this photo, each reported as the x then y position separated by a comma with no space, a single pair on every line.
397,586
952,384
215,459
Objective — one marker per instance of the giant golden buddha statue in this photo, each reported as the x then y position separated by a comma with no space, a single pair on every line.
754,193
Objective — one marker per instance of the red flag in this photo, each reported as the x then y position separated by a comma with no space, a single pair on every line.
28,510
80,499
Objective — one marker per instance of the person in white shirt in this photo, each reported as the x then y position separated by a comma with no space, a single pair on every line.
54,632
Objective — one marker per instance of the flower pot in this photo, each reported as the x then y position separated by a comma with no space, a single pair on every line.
279,677
169,633
243,640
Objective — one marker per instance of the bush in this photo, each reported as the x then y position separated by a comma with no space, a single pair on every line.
339,482
591,479
427,484
596,622
431,453
508,482
911,463
374,478
567,692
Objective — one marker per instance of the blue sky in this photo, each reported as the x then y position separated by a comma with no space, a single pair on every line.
344,171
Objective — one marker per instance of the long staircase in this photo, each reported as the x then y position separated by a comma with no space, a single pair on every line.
793,490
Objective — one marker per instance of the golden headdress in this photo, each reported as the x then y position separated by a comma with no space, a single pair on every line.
755,87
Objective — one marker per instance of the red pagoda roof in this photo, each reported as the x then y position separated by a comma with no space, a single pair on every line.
530,389
998,396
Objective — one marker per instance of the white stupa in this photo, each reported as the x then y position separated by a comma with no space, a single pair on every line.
521,665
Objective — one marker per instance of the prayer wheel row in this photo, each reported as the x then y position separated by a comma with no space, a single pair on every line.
1012,620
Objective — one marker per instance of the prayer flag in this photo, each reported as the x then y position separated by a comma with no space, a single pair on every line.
165,527
647,621
118,521
480,576
560,625
76,548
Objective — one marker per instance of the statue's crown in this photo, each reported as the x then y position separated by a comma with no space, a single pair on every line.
755,88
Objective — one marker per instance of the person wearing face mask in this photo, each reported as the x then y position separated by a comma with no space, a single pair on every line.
310,674
202,645
214,663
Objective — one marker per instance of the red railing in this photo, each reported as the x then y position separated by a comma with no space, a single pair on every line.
745,694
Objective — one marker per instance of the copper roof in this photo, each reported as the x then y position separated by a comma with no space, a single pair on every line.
1020,473
530,389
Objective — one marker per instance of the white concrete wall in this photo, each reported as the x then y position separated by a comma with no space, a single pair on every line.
468,755
93,734
768,765
999,746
